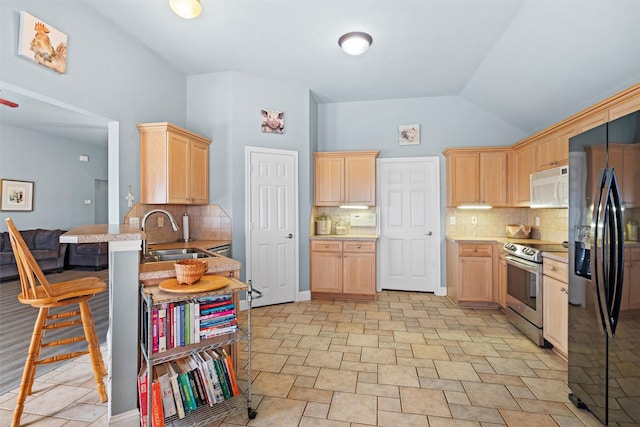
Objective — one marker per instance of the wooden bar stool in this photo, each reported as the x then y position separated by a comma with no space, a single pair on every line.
39,293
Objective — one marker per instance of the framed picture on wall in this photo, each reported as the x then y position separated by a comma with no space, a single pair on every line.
16,195
42,43
409,134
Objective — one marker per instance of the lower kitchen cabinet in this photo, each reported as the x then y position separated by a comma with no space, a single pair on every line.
555,303
343,269
501,296
470,273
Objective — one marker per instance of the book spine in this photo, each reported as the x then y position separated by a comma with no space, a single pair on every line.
177,394
223,381
232,373
154,347
182,340
187,323
195,331
162,329
157,414
143,396
188,394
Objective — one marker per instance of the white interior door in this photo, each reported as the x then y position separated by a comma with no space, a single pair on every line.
409,243
271,202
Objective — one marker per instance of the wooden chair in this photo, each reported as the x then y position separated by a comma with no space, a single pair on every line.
39,293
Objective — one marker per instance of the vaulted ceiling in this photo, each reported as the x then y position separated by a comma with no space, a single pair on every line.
530,62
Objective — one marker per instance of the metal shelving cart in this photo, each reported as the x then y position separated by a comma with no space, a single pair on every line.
151,296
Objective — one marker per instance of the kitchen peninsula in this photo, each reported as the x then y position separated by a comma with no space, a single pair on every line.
125,275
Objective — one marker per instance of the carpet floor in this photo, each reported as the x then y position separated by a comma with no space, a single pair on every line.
16,327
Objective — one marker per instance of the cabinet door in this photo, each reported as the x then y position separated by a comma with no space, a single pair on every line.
326,272
546,152
502,281
464,175
178,158
475,279
328,181
592,120
562,136
524,164
493,179
360,180
199,173
359,273
555,313
624,107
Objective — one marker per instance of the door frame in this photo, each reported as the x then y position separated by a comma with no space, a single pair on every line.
248,150
439,290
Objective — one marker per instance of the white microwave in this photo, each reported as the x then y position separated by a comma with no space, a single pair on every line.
550,188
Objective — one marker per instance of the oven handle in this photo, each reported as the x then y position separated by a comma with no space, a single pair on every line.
529,266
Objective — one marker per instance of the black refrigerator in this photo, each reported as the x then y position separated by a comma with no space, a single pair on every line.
604,286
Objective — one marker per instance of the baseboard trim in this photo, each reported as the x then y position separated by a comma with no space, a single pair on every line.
441,291
304,296
126,419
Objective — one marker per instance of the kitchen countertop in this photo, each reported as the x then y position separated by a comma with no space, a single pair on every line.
558,256
101,233
500,240
153,271
344,237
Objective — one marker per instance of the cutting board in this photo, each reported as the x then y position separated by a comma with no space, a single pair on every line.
206,283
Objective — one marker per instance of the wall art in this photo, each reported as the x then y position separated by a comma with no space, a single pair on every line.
272,121
16,195
42,43
409,134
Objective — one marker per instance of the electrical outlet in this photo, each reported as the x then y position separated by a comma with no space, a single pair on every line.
537,221
160,221
474,220
452,220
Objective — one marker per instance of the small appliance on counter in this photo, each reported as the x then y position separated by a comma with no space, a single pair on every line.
323,225
341,228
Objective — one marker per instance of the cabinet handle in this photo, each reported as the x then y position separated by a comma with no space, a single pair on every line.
359,246
564,290
460,259
475,249
552,268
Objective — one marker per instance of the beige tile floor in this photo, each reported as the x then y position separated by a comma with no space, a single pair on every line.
406,359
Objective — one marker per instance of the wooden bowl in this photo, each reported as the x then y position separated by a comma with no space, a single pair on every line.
518,231
189,271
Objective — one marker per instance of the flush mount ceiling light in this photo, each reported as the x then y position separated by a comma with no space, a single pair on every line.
355,43
187,9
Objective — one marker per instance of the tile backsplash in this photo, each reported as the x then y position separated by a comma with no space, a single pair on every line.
336,213
492,222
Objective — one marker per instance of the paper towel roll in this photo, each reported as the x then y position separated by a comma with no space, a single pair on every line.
185,227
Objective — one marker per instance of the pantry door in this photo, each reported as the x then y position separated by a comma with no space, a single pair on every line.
409,243
271,213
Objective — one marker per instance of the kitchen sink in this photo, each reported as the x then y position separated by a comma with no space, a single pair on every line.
159,255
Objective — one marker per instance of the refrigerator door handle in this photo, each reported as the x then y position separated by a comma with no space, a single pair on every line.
608,252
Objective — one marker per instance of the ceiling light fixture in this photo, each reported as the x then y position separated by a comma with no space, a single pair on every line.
355,43
187,9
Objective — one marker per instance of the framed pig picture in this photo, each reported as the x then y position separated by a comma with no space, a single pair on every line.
409,135
42,43
272,121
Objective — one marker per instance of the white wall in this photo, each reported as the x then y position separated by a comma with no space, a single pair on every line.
226,107
447,121
58,200
109,73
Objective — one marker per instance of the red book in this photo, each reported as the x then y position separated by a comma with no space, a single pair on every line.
157,412
143,394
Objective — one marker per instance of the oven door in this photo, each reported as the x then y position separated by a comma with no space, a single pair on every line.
524,289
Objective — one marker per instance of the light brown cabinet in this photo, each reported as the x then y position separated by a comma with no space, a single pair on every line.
501,294
470,273
345,178
477,177
174,165
553,150
524,164
343,268
555,297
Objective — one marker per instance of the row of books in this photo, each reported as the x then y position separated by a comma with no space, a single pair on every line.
186,384
183,323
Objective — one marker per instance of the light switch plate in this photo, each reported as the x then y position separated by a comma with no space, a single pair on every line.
367,219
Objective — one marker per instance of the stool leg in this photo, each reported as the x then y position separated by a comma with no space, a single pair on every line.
30,365
94,348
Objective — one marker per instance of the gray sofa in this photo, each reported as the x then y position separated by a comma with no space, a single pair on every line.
44,245
94,255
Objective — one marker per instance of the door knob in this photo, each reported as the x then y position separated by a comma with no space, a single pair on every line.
429,234
289,236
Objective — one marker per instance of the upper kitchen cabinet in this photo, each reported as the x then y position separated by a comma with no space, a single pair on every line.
552,150
174,165
477,176
345,178
524,164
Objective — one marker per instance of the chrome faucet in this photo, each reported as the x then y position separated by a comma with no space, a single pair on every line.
174,225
